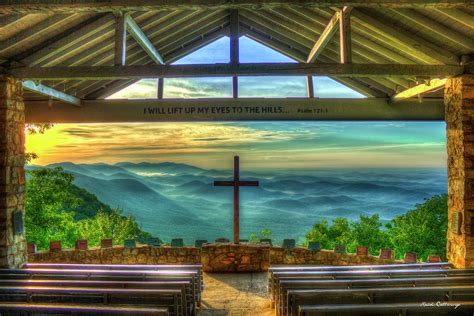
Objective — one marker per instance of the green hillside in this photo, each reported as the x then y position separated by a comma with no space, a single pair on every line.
89,205
56,209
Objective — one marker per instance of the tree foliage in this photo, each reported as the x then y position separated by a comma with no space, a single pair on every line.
51,199
421,230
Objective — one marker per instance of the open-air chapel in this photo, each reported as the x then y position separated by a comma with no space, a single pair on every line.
61,60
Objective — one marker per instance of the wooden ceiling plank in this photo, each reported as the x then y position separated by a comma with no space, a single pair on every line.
436,27
459,16
67,40
403,40
29,33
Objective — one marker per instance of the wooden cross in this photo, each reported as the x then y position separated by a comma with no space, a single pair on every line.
236,183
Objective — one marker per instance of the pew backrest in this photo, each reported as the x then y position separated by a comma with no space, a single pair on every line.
453,307
82,310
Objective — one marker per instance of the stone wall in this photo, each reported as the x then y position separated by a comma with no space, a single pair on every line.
235,258
12,174
301,256
121,255
221,257
459,100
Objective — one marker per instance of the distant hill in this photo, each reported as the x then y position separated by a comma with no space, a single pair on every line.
173,200
160,168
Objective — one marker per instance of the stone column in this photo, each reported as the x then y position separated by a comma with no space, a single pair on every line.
459,103
13,253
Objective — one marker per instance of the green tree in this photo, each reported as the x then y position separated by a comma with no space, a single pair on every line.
47,199
368,232
422,230
266,232
109,225
319,232
32,129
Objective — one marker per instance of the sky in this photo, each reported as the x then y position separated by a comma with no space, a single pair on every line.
261,145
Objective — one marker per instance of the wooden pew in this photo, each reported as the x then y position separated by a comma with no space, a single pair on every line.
287,285
377,296
362,274
411,266
162,298
301,268
109,275
428,308
162,267
80,310
188,303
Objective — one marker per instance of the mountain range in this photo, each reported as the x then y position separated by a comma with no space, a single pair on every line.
172,200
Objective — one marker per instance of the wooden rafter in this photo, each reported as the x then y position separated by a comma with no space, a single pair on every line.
324,38
50,92
135,31
219,70
420,89
61,6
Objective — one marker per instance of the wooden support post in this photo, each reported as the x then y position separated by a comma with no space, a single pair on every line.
310,86
234,49
120,40
160,88
345,36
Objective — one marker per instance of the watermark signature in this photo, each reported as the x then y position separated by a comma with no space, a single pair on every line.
439,304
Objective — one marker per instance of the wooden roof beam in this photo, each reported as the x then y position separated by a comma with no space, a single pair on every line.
345,36
135,31
120,50
50,92
248,69
430,86
324,38
64,6
110,111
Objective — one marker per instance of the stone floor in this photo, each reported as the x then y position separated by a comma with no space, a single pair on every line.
235,294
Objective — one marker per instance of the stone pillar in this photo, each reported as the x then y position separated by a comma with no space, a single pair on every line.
13,252
459,103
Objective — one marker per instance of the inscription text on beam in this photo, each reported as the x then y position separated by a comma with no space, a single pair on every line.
236,183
